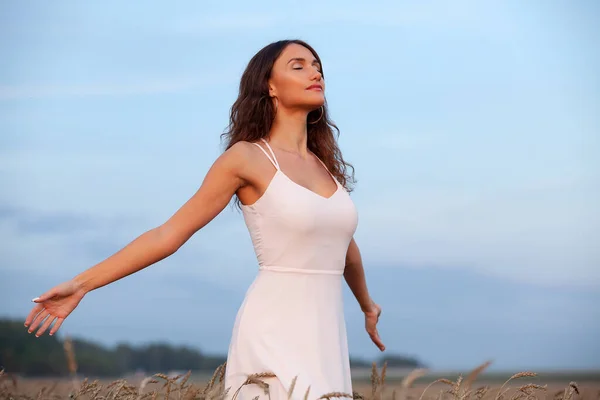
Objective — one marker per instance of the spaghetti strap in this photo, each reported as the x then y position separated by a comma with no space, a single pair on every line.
272,153
327,169
273,160
321,162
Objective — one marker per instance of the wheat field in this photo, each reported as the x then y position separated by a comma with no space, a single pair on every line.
379,387
181,387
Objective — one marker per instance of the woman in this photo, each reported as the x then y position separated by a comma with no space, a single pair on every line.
284,166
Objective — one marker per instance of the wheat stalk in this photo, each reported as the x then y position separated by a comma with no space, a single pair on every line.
71,361
518,375
474,373
307,392
382,379
571,389
374,380
441,380
292,386
409,380
456,386
335,394
480,392
255,379
218,373
357,396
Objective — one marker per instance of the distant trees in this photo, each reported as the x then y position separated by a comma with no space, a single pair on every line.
393,361
21,353
24,354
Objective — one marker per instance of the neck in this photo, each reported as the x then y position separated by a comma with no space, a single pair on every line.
289,132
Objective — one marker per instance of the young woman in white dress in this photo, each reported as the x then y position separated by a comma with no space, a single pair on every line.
291,182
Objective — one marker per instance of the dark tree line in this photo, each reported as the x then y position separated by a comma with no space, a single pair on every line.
24,354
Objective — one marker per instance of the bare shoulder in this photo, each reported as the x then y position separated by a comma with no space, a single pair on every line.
240,150
244,148
237,157
241,158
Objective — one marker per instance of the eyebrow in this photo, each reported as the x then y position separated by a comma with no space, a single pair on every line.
303,59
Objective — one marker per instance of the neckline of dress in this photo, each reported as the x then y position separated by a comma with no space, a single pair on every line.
287,178
337,185
278,167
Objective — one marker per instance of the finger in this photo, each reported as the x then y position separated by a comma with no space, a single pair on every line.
47,323
377,340
38,319
46,296
379,343
34,311
57,325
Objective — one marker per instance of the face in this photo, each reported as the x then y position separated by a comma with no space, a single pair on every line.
296,79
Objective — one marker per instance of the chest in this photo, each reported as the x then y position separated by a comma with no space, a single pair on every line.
293,208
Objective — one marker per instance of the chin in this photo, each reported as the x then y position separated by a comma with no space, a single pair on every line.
313,105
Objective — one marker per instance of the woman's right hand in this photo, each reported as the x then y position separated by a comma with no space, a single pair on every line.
54,306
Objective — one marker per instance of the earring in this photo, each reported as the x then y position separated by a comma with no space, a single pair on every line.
276,104
321,116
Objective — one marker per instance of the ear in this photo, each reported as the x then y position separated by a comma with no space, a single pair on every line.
272,91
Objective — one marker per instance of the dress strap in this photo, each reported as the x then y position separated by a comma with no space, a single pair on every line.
273,159
272,153
326,169
325,166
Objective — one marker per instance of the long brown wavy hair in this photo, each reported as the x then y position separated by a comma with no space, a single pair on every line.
253,113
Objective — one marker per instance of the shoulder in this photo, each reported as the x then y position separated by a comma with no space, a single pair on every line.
243,148
241,153
240,158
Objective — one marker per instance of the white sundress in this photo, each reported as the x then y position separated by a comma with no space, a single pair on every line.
291,322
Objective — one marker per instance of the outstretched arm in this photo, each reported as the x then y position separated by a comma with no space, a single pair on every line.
219,185
223,179
354,274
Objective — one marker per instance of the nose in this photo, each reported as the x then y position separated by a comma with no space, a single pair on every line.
317,75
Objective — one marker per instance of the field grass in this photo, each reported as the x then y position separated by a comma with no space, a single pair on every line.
413,386
379,384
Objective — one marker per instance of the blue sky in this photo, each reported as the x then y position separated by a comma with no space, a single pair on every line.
473,127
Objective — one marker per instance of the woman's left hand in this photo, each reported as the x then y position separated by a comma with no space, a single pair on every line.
371,319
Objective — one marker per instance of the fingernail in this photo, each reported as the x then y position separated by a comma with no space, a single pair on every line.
34,300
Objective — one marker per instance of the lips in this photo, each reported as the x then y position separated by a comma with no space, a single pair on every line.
315,87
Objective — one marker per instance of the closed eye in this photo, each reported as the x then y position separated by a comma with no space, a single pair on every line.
302,60
300,67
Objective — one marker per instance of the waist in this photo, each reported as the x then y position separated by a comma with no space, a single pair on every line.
277,268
